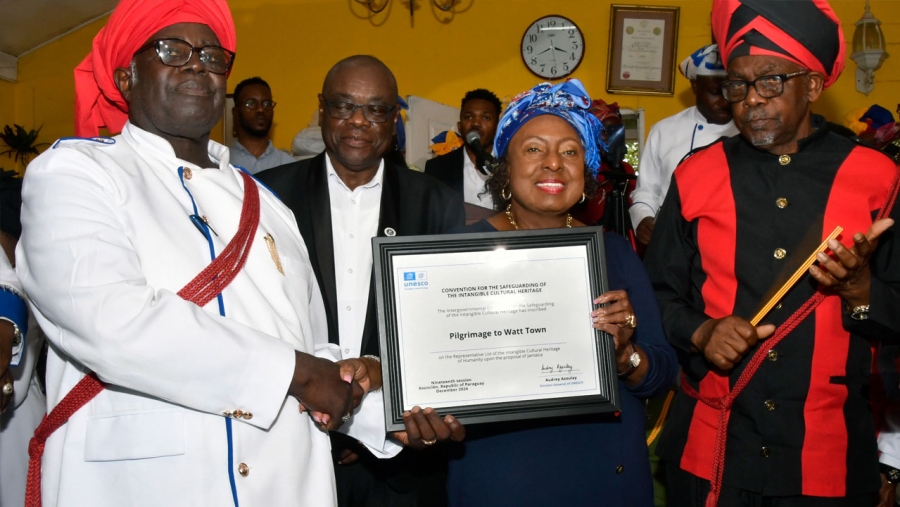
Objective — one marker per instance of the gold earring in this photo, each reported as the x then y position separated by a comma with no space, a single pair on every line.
505,194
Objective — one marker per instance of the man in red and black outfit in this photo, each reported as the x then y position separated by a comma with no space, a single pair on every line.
740,217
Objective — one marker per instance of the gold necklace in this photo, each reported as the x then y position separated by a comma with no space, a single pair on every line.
512,218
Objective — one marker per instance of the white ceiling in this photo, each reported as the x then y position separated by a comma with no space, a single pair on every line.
28,24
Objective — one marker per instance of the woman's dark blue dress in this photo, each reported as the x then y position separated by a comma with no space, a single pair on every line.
593,460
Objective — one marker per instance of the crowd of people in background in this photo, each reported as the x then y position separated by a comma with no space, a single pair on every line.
200,322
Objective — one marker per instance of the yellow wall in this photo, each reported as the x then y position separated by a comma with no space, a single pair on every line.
292,44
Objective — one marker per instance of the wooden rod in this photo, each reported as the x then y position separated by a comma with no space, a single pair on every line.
794,278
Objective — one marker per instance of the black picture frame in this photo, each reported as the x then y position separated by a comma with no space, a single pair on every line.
386,248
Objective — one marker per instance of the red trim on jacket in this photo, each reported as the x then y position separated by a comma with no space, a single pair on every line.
704,200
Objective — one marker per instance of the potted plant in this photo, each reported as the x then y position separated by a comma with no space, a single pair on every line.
22,144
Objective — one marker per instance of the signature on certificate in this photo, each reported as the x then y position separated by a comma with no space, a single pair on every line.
559,368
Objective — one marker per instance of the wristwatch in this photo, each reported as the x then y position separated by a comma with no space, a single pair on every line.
860,312
890,473
634,360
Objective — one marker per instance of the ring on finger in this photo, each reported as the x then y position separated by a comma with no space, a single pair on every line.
429,442
7,389
629,322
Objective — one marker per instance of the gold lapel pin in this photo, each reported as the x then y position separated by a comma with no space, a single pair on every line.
273,251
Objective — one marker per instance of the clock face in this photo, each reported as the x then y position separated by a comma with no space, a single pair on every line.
553,47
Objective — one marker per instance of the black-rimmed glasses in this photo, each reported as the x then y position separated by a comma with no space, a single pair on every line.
176,52
767,87
253,104
376,113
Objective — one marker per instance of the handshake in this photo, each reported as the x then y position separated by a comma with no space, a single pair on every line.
331,391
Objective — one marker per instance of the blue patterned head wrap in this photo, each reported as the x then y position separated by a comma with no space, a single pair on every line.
569,101
703,62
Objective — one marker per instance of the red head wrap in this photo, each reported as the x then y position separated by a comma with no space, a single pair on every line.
602,110
806,32
98,102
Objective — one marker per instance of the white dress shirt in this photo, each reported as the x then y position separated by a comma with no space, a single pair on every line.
354,222
889,438
668,142
474,184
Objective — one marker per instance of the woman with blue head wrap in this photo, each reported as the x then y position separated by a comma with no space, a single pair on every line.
549,147
569,102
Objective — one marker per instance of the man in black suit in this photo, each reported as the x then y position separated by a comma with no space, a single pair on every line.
480,111
341,199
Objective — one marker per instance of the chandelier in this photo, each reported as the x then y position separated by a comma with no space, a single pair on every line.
441,6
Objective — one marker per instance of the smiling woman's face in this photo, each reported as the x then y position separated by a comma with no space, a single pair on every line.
546,165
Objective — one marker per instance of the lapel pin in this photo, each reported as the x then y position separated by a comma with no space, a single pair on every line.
389,232
273,251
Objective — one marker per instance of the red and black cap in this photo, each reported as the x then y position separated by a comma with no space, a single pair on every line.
806,32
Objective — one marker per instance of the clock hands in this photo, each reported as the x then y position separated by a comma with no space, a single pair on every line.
542,37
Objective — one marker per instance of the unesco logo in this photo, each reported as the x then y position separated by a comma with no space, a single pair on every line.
415,280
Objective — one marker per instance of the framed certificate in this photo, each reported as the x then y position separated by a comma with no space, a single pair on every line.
494,326
642,46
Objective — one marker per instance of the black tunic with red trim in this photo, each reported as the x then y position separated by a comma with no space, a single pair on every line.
737,221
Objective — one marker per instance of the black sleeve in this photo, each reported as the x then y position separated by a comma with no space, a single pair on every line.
884,294
454,214
672,262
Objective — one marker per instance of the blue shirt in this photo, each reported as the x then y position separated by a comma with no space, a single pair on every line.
272,157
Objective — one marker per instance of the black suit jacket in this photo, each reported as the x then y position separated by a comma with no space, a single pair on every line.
411,203
448,168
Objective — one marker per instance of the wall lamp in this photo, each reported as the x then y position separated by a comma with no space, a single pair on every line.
868,50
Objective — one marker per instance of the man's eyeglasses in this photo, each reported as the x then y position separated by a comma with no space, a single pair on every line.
176,52
376,113
767,87
253,104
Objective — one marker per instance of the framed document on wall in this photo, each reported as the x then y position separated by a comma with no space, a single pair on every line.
642,47
493,326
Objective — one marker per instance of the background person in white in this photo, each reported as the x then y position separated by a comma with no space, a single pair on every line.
342,198
202,404
20,345
674,137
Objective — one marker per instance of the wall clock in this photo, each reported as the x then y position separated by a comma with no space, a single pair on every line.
553,47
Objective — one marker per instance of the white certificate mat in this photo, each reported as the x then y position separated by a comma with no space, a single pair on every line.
494,326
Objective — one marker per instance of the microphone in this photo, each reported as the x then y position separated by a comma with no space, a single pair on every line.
616,147
488,160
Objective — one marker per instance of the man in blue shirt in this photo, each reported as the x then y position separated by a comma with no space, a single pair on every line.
253,112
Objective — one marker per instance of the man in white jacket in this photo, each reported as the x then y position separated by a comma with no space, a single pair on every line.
674,137
202,405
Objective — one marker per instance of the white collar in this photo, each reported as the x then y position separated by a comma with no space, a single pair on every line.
374,182
151,142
